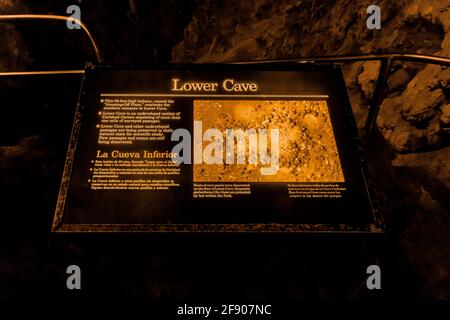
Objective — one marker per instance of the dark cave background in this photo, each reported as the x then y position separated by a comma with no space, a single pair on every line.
408,154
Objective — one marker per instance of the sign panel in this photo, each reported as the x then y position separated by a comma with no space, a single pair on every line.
215,148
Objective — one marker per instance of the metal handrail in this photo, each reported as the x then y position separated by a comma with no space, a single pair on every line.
359,57
15,17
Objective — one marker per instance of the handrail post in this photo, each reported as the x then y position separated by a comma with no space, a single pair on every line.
378,96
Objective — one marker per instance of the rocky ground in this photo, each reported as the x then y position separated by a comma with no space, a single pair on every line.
408,154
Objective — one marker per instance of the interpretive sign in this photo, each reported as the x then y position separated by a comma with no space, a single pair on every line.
215,148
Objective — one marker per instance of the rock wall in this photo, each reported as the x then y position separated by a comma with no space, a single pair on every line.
126,31
13,50
265,29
